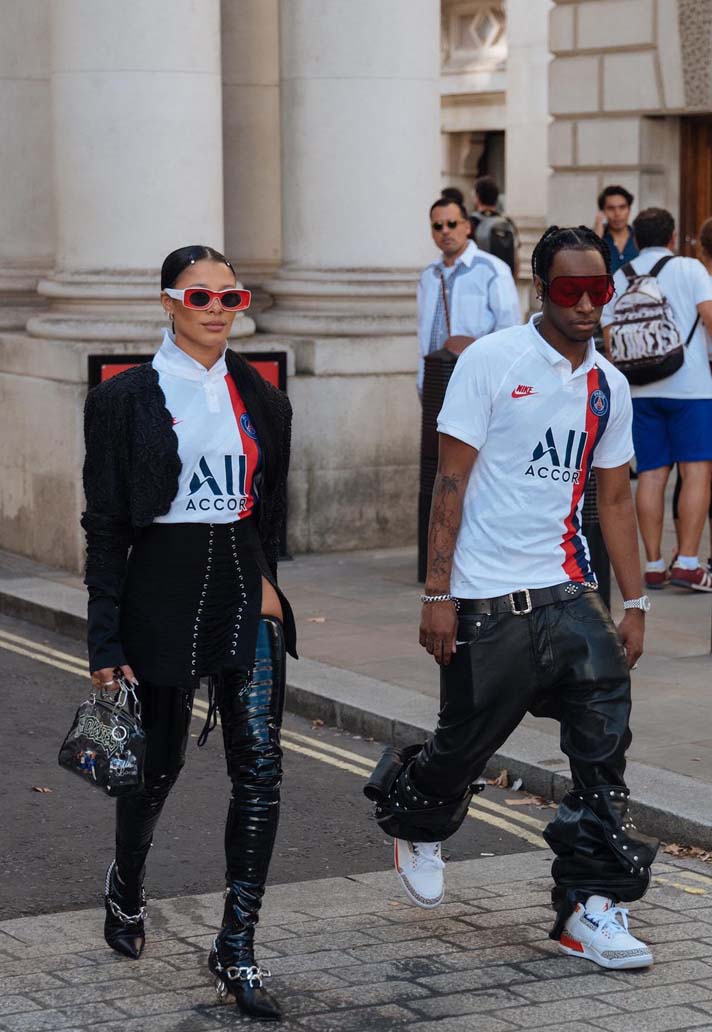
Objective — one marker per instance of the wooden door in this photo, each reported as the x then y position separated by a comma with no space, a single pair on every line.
695,179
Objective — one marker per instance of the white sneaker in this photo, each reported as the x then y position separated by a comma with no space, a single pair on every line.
599,932
420,867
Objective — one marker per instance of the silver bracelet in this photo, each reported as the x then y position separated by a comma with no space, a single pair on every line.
427,599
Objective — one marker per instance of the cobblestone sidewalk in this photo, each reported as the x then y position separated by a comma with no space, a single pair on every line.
349,954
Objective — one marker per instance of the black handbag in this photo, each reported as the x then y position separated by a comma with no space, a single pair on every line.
106,744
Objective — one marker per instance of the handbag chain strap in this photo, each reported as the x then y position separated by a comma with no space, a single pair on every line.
118,700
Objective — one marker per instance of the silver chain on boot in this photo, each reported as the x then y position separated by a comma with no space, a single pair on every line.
252,973
126,919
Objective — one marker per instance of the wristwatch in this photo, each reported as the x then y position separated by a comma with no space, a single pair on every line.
638,603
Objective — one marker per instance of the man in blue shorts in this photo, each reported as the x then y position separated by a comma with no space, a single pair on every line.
672,418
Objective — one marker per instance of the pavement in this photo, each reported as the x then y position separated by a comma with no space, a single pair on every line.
362,668
349,954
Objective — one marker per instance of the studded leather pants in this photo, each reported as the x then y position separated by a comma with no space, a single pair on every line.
251,717
565,661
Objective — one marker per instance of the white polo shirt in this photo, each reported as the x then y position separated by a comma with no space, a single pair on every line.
538,428
217,443
484,298
685,283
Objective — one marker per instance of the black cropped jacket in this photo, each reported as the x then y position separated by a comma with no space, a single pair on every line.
131,475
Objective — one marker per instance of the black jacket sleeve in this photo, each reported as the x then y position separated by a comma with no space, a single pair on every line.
107,524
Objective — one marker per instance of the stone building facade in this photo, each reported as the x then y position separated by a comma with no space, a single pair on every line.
307,138
631,102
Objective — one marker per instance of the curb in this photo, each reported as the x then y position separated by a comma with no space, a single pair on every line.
669,806
39,613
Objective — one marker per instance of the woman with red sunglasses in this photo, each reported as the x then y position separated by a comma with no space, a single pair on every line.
185,481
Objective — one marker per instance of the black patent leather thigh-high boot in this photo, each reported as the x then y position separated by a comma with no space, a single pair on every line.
251,719
165,715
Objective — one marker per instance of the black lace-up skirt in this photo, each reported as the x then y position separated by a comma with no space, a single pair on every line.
192,600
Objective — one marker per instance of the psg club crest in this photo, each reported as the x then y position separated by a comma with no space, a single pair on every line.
246,424
598,403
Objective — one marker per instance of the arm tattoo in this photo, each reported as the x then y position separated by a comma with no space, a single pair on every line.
445,516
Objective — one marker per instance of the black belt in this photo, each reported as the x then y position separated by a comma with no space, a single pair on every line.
523,601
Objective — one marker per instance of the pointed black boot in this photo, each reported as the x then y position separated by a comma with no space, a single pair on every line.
238,976
125,915
165,715
251,717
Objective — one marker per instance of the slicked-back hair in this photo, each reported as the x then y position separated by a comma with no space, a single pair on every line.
442,202
568,238
454,194
180,259
614,191
653,227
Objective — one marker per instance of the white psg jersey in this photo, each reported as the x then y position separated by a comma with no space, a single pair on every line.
539,428
217,443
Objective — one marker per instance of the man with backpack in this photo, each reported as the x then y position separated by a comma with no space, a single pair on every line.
491,230
655,330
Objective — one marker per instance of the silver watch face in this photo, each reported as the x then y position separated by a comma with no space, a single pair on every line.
645,604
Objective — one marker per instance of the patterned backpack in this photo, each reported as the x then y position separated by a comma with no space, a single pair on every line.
645,342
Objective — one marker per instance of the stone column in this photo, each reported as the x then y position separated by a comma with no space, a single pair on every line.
360,121
137,164
137,130
26,242
360,164
526,140
250,78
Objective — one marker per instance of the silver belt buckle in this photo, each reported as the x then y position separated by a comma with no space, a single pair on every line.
528,602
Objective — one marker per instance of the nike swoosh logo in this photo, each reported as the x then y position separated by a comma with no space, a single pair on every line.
516,393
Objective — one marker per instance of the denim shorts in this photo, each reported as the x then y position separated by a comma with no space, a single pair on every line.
670,430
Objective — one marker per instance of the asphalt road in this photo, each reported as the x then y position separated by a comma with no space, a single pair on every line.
55,845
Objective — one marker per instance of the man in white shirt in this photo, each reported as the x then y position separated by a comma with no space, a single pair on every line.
672,418
465,295
511,611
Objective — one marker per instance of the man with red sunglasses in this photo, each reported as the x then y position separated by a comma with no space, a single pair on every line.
511,611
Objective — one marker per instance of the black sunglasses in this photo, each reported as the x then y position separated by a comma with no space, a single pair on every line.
451,224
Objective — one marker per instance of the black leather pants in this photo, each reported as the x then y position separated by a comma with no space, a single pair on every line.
251,722
566,661
251,717
165,714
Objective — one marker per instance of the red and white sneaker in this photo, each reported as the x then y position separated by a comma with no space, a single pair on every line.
420,867
696,580
599,932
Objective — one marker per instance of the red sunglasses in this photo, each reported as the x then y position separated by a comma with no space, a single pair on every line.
567,291
199,298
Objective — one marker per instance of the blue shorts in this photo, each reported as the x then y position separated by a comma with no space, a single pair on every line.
670,430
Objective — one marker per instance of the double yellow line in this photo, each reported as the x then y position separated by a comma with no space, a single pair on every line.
494,814
518,824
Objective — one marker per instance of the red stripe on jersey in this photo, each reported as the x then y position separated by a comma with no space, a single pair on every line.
250,445
570,565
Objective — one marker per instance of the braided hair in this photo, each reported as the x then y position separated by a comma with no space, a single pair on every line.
571,238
